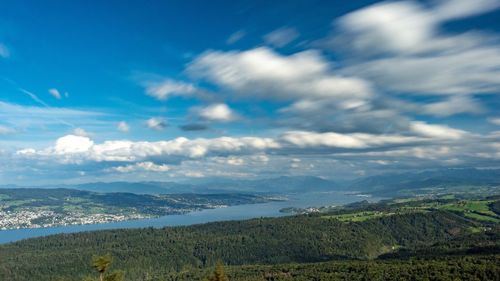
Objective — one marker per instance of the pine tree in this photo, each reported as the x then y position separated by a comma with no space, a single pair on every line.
219,274
101,264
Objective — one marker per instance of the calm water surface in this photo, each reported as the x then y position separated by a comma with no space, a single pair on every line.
239,212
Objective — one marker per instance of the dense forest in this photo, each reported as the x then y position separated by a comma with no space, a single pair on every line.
437,268
159,253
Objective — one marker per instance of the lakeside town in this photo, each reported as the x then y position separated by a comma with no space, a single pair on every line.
47,218
42,208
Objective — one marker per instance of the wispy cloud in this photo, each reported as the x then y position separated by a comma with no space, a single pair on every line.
281,37
454,105
6,130
4,51
235,37
26,116
400,46
38,100
165,89
34,97
55,93
494,120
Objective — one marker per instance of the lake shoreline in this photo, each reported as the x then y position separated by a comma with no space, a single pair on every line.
237,212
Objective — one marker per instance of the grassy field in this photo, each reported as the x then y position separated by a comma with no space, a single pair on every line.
358,216
478,210
473,209
480,206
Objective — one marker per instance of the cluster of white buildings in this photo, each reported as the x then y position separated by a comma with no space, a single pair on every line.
47,218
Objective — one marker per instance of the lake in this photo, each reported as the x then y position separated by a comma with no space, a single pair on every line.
240,212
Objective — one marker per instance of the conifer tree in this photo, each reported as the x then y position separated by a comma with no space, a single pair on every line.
101,264
219,274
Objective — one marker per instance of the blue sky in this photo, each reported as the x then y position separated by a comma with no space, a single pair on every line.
176,90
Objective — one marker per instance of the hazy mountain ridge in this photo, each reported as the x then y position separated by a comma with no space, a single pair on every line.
394,183
274,185
384,184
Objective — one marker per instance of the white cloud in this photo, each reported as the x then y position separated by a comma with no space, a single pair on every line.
217,112
55,93
436,131
72,144
265,74
388,27
251,156
281,37
4,51
312,139
163,90
142,166
127,151
123,127
156,123
355,141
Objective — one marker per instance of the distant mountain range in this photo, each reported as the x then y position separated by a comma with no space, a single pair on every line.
127,187
273,185
386,184
414,182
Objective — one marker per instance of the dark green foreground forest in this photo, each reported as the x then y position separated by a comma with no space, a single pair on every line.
415,240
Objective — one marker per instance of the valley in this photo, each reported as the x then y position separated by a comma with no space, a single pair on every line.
439,235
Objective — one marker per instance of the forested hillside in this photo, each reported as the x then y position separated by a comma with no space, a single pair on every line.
299,239
436,268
